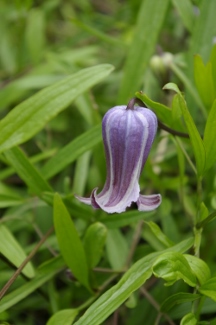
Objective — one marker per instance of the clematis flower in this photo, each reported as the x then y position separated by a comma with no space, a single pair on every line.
128,133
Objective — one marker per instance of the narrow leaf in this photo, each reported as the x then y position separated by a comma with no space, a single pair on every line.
69,242
94,241
117,248
27,172
196,141
209,137
151,13
11,249
134,278
176,299
159,234
29,117
186,12
163,112
44,274
125,218
63,317
204,81
72,151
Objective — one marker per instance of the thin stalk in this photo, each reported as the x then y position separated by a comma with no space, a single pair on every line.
21,267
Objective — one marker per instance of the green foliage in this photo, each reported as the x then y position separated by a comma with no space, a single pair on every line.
63,64
69,242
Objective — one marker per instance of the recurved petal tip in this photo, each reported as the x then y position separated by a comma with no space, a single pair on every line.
86,200
149,202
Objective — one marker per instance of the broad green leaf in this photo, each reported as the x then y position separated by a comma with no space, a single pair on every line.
29,117
27,172
117,248
151,13
69,242
176,299
72,151
196,141
173,266
186,12
209,137
46,272
63,317
11,249
189,319
94,241
164,113
133,279
199,268
159,234
204,81
209,288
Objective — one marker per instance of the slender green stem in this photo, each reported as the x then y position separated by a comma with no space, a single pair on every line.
204,222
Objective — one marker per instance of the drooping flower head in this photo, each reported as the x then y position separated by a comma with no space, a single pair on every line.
128,133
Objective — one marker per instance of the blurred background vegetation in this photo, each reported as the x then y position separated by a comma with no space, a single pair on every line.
149,44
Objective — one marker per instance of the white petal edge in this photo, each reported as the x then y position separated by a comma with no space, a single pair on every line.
86,200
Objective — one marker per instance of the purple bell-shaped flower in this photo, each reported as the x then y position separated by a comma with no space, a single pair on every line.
128,133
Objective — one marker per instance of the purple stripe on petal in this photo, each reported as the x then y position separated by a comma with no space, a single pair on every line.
149,202
128,133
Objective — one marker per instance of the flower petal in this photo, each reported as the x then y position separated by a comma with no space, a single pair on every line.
148,202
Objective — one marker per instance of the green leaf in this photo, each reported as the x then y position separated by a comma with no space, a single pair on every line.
209,288
133,279
189,319
9,197
189,85
94,241
29,117
204,30
159,234
164,113
204,81
117,248
125,218
173,266
209,137
151,13
186,12
63,317
213,62
11,249
72,151
199,268
44,274
35,40
196,141
69,242
27,172
176,299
